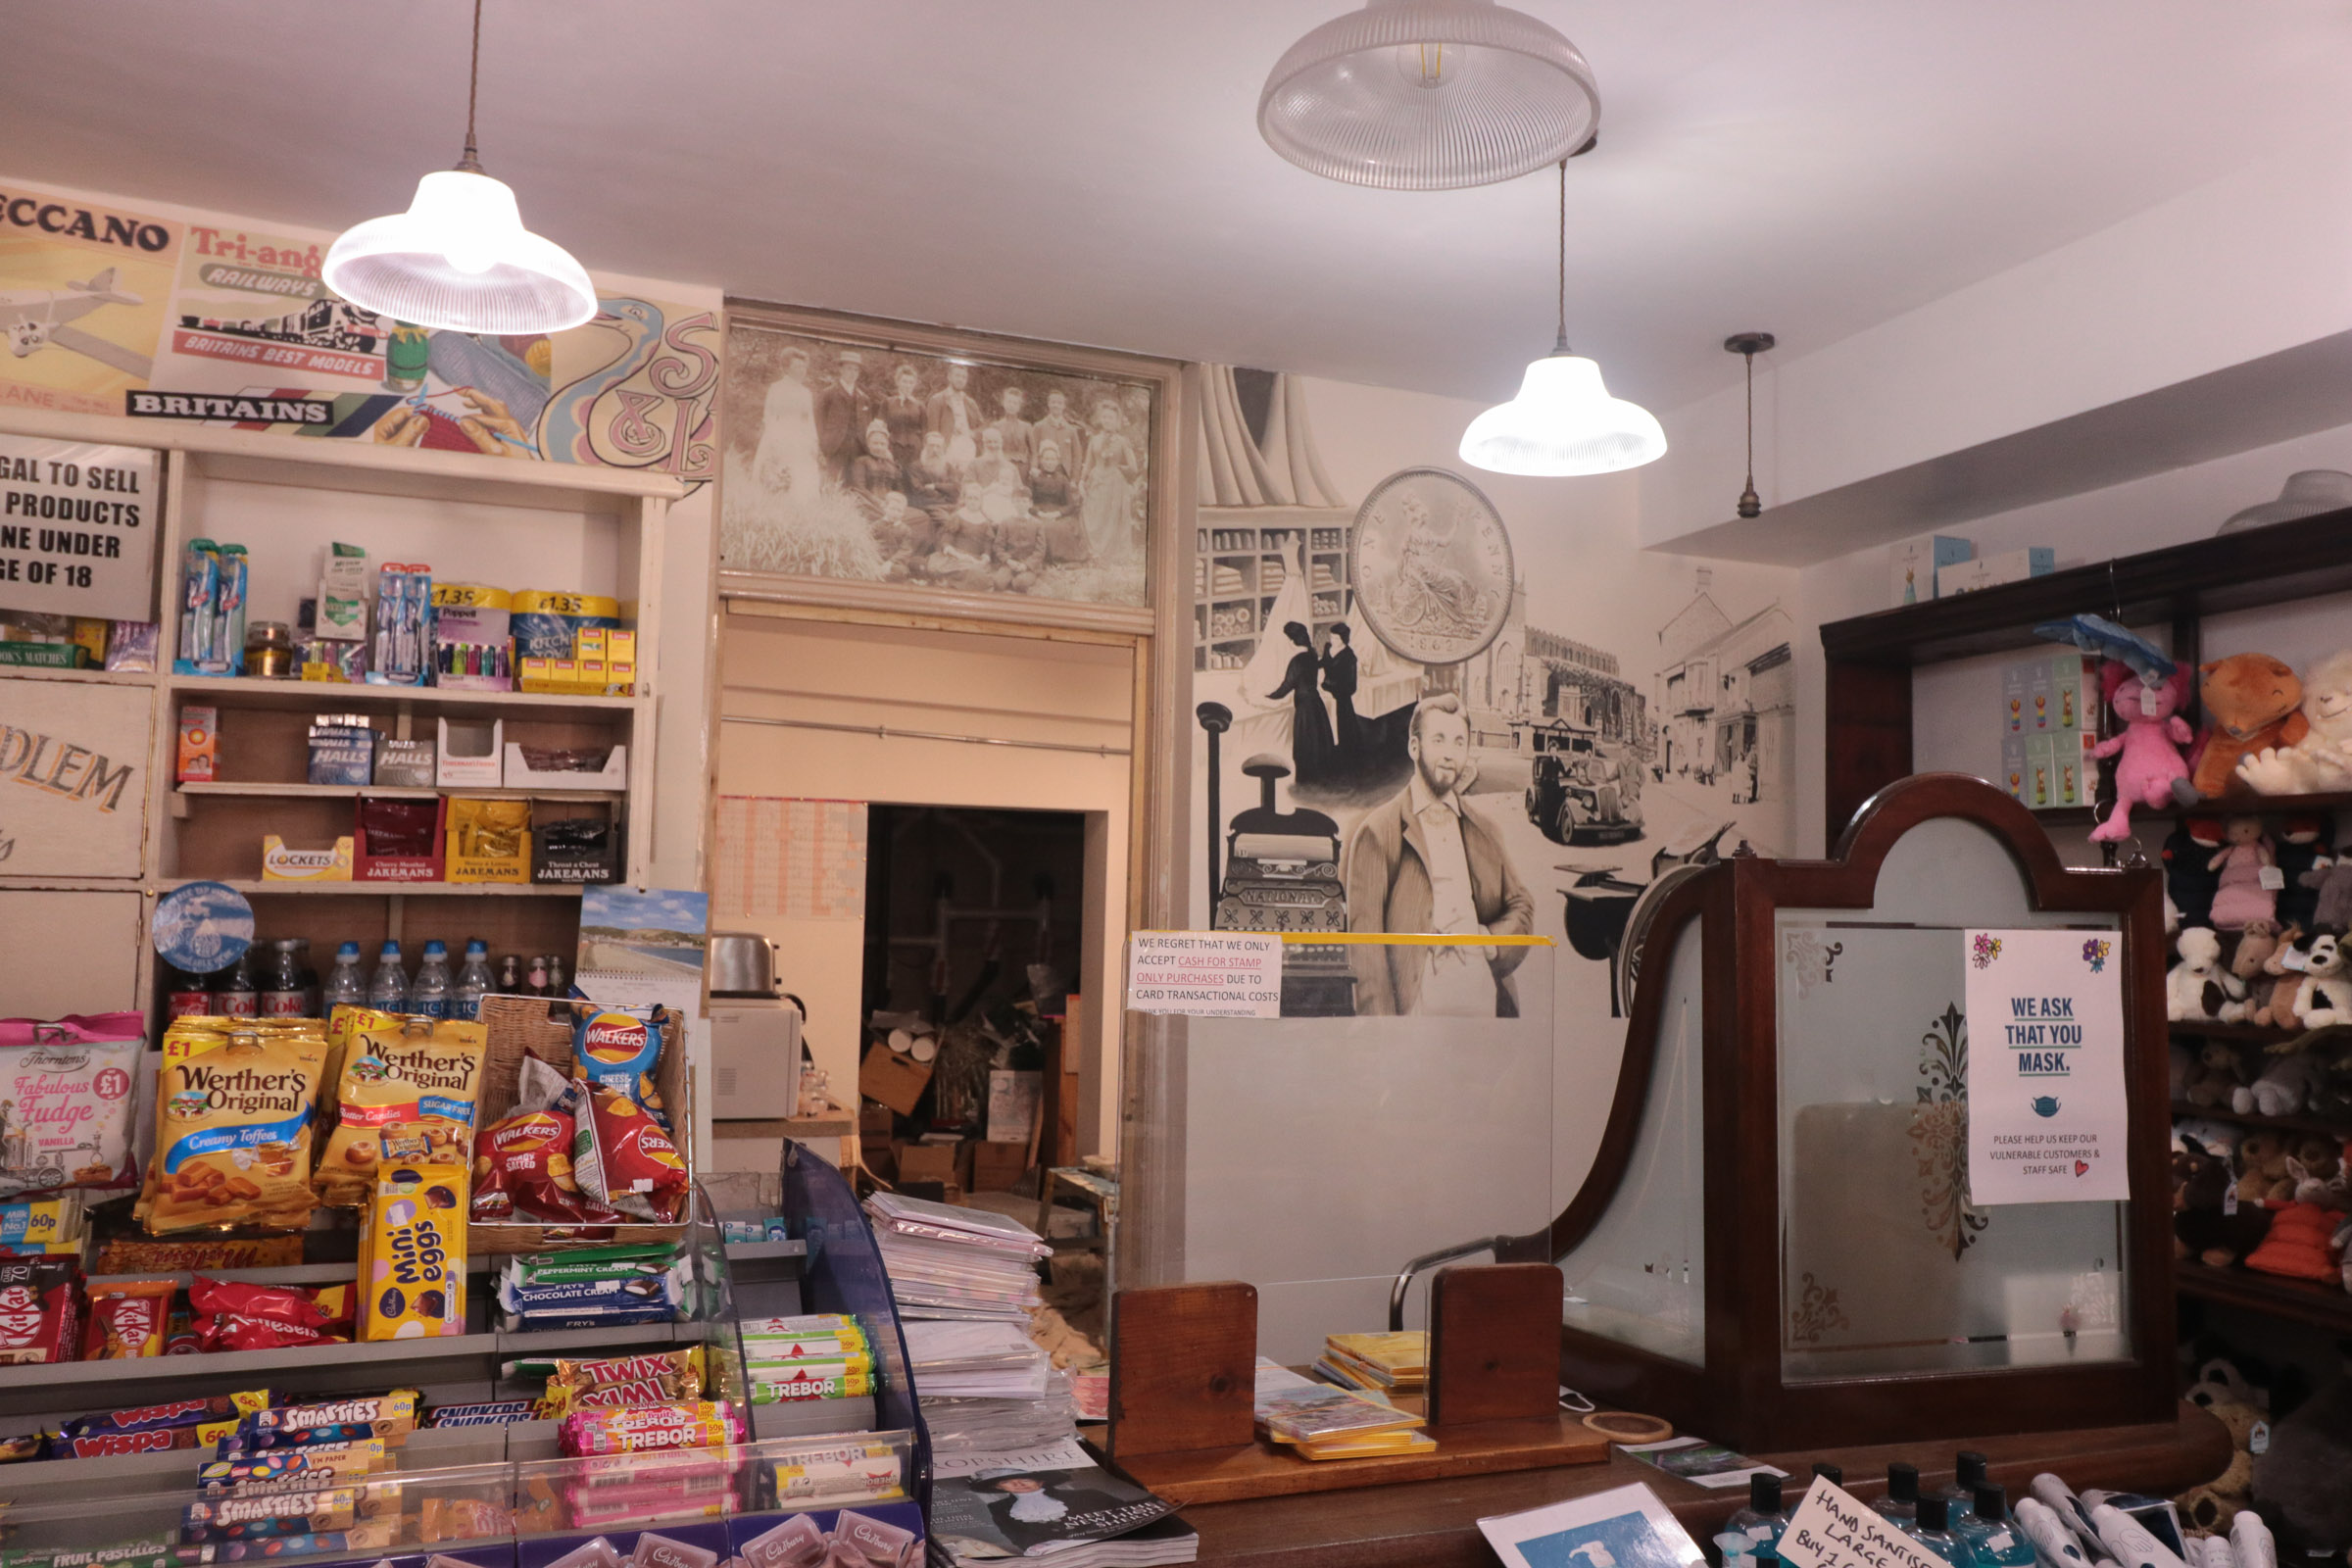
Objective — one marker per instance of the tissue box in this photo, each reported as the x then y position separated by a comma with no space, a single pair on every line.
520,774
471,753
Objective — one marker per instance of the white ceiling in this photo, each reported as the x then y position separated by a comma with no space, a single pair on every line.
1090,171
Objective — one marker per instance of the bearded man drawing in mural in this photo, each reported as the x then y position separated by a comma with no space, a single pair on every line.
1422,860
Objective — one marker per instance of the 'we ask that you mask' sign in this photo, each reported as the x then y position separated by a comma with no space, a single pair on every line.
2047,1120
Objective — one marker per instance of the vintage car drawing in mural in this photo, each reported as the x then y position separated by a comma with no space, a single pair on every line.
1581,790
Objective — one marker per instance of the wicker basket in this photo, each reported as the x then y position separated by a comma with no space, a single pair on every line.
542,1027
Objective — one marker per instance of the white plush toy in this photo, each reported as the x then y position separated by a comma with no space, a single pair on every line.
2321,761
2198,987
2327,995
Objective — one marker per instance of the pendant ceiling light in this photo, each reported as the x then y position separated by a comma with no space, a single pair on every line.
1747,345
459,258
1429,95
1563,422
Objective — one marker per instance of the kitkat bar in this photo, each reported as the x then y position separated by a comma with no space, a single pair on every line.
40,1318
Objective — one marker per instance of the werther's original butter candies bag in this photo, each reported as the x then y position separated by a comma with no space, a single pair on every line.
417,1075
233,1123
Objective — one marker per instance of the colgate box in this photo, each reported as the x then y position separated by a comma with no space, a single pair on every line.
399,840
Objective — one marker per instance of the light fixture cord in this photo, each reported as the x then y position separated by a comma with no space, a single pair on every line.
471,163
1561,345
1750,357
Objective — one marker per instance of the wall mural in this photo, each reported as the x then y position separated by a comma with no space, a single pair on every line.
1401,734
852,459
218,322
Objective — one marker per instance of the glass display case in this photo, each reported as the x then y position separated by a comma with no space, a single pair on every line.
1777,1244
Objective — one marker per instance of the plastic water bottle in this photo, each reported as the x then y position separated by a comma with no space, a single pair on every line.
388,987
473,981
346,985
429,996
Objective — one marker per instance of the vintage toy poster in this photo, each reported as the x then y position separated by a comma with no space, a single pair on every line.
84,290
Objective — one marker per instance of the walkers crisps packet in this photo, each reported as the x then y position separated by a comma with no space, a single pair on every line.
233,1127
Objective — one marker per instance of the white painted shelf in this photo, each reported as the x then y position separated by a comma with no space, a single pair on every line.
397,791
254,691
435,890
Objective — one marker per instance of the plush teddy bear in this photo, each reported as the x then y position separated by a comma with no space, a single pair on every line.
2331,905
2215,1080
2286,984
2302,847
2255,945
2261,1169
2320,759
2243,1409
2299,1478
2153,734
2281,1089
2327,995
2251,702
2200,988
2318,1167
2246,865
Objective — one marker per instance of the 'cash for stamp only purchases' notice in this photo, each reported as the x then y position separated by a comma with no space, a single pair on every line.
1205,975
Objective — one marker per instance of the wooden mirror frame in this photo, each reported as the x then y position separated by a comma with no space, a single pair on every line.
1741,1395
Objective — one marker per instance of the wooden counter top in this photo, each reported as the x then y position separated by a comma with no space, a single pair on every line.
1434,1524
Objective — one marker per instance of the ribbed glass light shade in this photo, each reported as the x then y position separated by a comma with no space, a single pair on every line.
460,259
1563,422
1429,95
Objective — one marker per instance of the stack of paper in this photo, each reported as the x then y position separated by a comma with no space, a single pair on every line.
956,1264
977,1427
975,1361
1377,1363
1324,1422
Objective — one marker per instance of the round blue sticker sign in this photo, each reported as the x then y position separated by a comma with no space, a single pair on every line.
201,926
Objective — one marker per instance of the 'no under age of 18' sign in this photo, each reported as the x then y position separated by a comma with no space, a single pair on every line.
78,529
2046,1113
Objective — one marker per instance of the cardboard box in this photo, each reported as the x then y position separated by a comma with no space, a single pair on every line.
2016,565
521,775
999,1167
282,865
2014,680
2067,772
473,752
342,749
926,1162
199,745
1960,577
371,862
576,851
406,764
2042,772
895,1080
2013,767
513,870
2074,691
874,1119
1913,564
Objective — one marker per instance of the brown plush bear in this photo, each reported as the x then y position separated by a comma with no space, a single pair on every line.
2223,1392
2251,702
2215,1076
2261,1169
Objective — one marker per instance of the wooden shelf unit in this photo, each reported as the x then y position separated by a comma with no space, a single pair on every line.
301,494
1867,740
1869,658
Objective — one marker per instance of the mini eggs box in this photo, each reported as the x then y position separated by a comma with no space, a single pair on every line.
413,1252
546,1028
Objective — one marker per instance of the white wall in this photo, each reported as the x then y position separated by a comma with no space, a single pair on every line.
1068,692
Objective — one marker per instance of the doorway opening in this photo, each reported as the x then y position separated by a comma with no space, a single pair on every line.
973,930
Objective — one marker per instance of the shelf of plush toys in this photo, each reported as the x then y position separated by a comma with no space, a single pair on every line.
2310,1301
2220,805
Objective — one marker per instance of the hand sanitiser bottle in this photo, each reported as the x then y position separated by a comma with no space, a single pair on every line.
1967,1475
1901,1502
1930,1527
1763,1519
1992,1537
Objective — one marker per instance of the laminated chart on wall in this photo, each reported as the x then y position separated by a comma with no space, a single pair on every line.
795,860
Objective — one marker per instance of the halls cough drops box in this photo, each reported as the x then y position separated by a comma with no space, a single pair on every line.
233,1127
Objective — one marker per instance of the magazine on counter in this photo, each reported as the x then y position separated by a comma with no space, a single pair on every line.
1034,1504
1700,1462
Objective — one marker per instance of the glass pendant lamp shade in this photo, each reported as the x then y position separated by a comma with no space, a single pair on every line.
1563,422
1429,95
460,259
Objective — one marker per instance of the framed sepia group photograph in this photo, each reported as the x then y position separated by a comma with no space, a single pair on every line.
890,454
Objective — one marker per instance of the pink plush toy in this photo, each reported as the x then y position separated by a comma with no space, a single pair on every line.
2153,735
